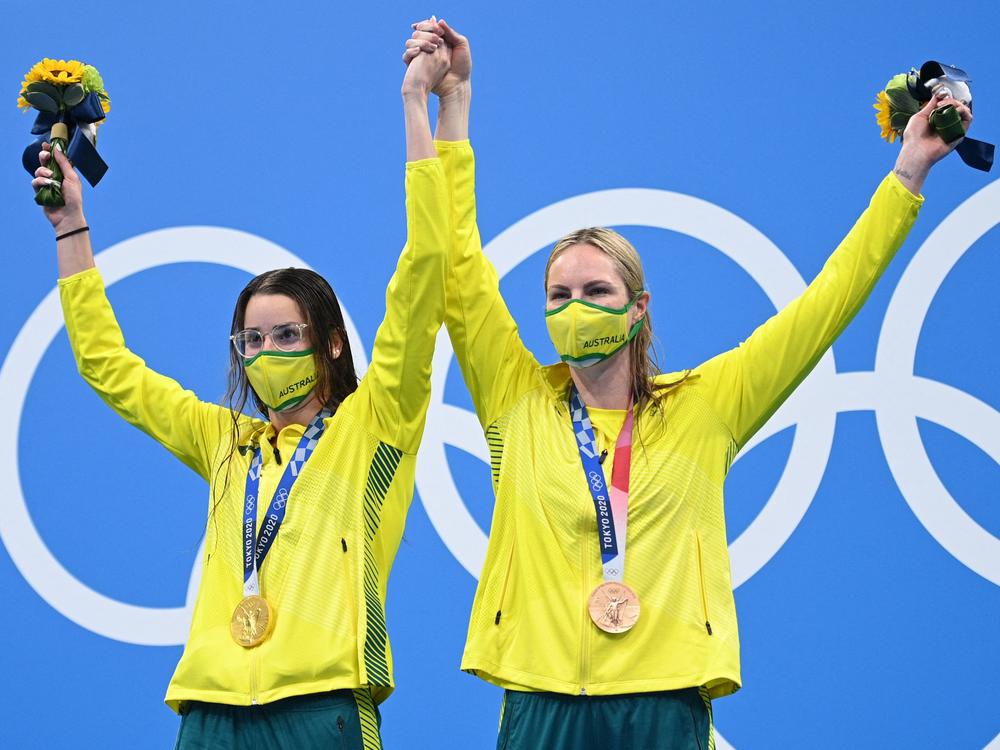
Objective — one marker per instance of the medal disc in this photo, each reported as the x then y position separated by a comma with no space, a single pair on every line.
252,621
613,607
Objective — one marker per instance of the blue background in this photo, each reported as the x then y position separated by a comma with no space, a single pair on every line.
284,120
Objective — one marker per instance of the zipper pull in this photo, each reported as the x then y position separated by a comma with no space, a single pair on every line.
708,627
343,543
277,455
497,620
604,455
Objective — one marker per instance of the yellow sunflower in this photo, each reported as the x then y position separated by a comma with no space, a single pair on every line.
56,72
883,113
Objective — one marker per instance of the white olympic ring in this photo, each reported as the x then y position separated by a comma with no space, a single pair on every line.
896,395
149,626
975,420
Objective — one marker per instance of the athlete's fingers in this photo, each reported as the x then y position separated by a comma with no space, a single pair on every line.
422,45
429,24
451,36
427,40
39,182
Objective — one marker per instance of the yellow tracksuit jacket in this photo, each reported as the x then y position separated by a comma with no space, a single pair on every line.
529,628
326,573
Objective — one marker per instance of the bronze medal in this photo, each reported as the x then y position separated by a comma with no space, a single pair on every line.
252,621
613,607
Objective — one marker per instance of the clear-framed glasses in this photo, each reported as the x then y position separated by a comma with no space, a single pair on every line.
285,337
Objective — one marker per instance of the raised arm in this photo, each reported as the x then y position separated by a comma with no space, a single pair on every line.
393,397
188,427
496,365
746,385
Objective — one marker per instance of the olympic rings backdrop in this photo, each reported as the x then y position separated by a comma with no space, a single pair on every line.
734,143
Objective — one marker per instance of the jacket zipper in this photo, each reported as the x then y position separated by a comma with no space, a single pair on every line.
253,678
506,580
701,583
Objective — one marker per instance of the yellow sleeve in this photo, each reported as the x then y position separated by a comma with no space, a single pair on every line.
746,385
189,428
392,398
497,366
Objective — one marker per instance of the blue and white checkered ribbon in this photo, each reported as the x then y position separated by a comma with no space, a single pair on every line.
253,554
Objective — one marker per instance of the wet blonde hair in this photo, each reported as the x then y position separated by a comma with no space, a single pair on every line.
642,355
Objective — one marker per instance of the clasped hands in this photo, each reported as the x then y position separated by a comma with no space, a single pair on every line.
438,60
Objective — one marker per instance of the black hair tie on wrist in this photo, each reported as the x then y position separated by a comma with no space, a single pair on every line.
70,234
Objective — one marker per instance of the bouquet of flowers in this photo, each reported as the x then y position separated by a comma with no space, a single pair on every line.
907,93
71,102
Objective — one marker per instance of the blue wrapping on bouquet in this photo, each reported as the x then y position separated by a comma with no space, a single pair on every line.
80,150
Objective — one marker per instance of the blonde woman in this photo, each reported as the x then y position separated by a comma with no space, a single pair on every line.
605,607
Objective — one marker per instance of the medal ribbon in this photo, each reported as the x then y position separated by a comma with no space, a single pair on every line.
611,504
253,555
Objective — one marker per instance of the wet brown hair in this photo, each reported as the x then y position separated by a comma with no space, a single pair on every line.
336,378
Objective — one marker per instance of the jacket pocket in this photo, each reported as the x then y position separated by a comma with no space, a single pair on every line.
503,586
347,568
701,583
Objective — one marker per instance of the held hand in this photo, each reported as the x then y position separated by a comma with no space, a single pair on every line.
461,61
70,216
427,37
431,32
427,60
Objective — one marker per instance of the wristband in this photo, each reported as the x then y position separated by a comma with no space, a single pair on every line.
70,234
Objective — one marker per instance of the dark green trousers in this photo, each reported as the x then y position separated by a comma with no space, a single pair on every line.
669,720
339,720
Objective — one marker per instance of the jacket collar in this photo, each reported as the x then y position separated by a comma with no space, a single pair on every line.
557,379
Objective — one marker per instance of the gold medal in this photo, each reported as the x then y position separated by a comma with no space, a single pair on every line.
613,607
252,621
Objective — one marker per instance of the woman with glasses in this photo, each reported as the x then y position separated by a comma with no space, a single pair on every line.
308,497
605,607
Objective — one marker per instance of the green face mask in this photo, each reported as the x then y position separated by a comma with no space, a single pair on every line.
584,333
282,380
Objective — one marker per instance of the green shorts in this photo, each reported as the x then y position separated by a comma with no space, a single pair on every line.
339,720
668,720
